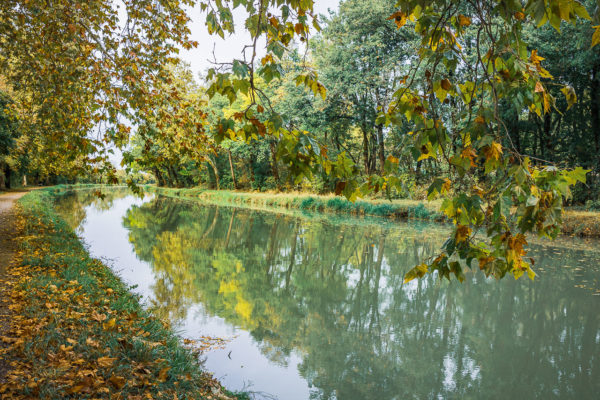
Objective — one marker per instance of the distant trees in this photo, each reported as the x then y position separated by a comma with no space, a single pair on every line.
360,59
8,135
170,141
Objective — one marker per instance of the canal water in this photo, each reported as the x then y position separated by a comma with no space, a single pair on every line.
314,306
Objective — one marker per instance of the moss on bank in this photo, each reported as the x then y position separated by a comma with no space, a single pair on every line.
77,331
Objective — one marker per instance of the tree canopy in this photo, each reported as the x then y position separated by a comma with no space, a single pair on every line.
473,99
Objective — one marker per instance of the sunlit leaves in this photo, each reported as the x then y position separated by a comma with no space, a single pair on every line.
78,74
501,192
399,19
596,35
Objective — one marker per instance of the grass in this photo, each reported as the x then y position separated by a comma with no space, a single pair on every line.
581,223
396,209
78,332
575,222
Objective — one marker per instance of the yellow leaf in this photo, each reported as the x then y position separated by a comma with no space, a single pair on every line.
462,233
446,185
117,381
547,99
519,15
596,35
106,361
493,151
399,18
463,20
539,88
75,389
109,324
162,375
98,317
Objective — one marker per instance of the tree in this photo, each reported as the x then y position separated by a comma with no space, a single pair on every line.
499,190
82,71
171,141
360,58
8,134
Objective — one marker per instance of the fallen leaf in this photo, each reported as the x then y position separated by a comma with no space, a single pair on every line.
106,361
162,375
117,381
109,324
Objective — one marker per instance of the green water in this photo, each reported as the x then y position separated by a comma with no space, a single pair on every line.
315,307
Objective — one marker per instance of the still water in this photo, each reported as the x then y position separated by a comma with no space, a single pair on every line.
313,307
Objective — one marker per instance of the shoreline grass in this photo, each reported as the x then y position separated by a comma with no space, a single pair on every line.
575,222
396,209
78,332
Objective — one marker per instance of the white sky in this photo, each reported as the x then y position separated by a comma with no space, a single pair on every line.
229,48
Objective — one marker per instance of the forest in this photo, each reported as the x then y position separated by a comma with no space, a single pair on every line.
360,58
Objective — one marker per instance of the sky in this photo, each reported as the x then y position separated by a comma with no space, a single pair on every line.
229,48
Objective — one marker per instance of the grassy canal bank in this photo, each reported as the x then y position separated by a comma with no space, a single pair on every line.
76,331
396,209
575,222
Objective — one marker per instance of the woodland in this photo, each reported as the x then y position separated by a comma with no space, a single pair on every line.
490,106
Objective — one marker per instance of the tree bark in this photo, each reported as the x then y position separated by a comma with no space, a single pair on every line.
159,177
215,171
232,170
366,150
274,164
381,147
595,110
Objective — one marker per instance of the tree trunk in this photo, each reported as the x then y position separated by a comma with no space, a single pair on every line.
24,180
159,177
274,164
366,150
251,169
215,171
232,170
7,174
595,111
381,147
373,149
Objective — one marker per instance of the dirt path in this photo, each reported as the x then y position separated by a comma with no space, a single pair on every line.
8,248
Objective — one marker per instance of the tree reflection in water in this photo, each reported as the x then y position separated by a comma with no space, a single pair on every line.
332,291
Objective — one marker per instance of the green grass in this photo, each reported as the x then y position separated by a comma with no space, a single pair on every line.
575,222
72,314
396,209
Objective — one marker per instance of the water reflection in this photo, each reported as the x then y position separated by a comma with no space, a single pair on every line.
324,299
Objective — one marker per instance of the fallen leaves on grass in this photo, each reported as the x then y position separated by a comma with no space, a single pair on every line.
77,333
